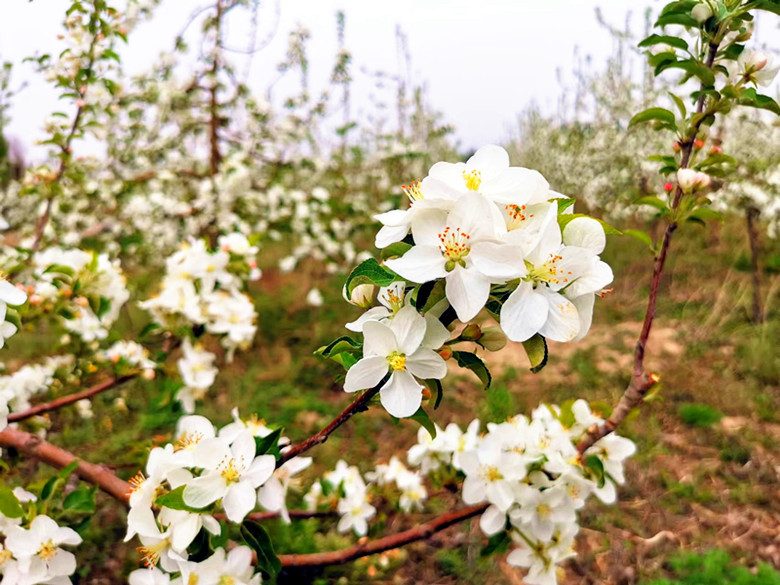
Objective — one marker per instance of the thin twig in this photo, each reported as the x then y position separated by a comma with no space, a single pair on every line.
70,398
318,438
642,381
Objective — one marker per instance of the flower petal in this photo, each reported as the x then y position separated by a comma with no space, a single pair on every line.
585,232
524,313
499,262
402,395
409,329
367,373
467,291
420,264
426,364
563,322
378,339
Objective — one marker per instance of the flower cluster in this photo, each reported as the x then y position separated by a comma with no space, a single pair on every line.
532,477
86,289
131,355
32,554
351,497
232,469
9,295
486,228
202,287
18,388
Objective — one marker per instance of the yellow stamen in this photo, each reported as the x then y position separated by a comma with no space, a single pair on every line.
473,180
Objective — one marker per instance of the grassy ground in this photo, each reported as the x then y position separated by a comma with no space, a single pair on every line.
706,472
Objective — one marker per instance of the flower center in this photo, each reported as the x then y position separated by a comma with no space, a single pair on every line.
226,580
188,440
548,272
413,191
151,554
5,555
397,360
455,247
47,551
493,474
543,510
473,180
230,470
393,299
517,215
136,482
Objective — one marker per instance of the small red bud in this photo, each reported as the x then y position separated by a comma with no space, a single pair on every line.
698,143
716,150
676,147
668,187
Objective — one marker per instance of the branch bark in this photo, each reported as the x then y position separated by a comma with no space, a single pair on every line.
69,399
98,475
372,547
360,404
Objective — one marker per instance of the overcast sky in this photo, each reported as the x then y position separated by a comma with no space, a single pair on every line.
482,62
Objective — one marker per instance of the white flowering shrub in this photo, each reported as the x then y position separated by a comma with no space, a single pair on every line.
160,232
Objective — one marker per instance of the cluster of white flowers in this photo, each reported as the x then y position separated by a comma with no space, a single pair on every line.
32,555
130,353
201,287
532,477
234,567
410,483
9,295
91,285
18,388
204,471
351,495
484,227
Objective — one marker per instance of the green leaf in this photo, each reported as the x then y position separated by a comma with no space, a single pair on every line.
682,18
595,465
536,350
268,445
59,269
422,418
258,540
370,272
642,237
343,343
654,201
680,104
661,114
81,500
691,67
654,39
9,504
436,389
749,97
427,294
564,203
395,250
705,213
49,488
174,500
497,544
772,6
468,360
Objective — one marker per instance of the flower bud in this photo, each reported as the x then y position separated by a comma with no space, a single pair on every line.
362,295
668,187
472,332
703,180
445,352
716,150
676,147
686,178
698,143
493,339
757,61
701,12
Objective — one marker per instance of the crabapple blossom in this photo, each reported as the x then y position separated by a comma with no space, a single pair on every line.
404,349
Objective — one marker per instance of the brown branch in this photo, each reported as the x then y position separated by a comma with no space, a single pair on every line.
98,475
69,399
360,404
372,547
294,514
642,381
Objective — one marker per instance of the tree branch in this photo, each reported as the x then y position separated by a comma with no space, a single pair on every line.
360,404
372,547
642,381
69,399
98,475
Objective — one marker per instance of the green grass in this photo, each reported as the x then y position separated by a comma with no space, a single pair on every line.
715,567
699,415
